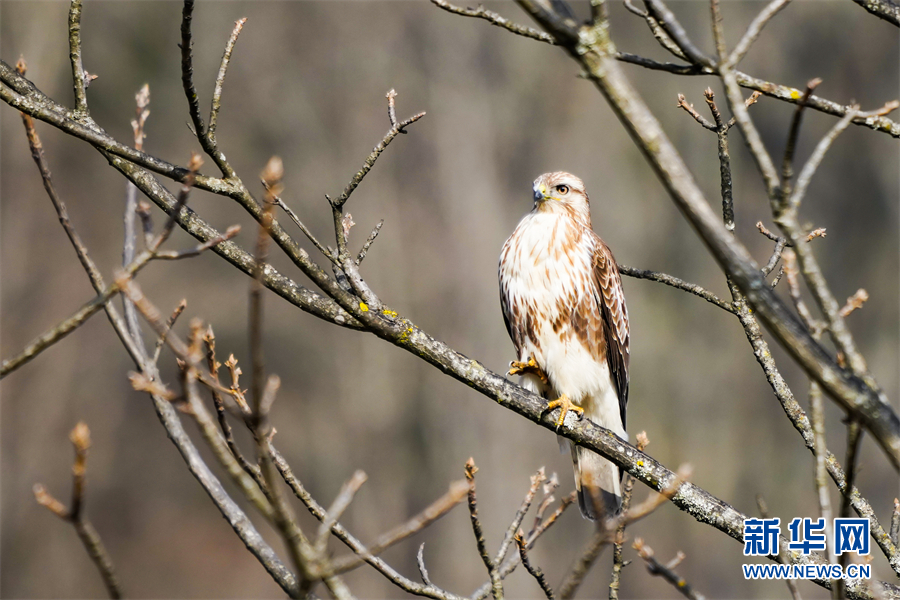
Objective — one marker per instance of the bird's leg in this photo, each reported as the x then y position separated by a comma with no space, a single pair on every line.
516,367
564,405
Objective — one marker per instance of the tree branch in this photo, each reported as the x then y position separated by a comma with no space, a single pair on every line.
81,440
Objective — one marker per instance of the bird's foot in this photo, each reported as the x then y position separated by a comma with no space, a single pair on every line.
516,368
564,405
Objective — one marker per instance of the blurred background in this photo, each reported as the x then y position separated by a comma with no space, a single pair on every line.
307,82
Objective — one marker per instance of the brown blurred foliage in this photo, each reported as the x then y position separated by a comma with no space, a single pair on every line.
307,82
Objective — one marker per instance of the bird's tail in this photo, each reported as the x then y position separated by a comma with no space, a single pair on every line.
599,484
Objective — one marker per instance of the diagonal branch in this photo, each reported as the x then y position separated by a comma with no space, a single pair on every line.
883,9
678,284
496,19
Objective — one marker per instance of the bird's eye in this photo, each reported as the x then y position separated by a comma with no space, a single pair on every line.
562,189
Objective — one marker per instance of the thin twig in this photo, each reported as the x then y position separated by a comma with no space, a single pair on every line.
854,437
776,256
666,570
392,111
369,241
895,523
79,75
209,340
373,156
457,493
428,590
817,419
667,20
754,30
220,79
495,19
142,100
782,551
272,175
336,510
815,159
161,339
619,562
718,34
536,480
496,581
787,163
514,560
81,440
64,328
420,562
325,251
187,69
689,109
661,36
536,573
676,283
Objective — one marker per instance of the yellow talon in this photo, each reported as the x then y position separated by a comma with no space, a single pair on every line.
564,405
516,367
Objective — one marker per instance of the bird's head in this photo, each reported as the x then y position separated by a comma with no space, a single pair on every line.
562,192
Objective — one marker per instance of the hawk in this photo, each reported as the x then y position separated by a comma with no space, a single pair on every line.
564,309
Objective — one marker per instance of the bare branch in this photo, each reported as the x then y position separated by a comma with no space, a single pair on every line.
812,164
272,175
220,80
81,440
536,573
319,246
80,81
542,525
787,164
754,30
882,9
428,590
458,491
676,283
369,241
69,325
142,100
200,248
392,111
619,561
370,160
895,523
661,36
336,510
496,581
667,20
187,70
689,109
536,480
254,471
817,418
854,437
495,19
666,571
420,562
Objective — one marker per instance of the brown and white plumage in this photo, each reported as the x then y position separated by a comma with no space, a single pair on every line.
562,301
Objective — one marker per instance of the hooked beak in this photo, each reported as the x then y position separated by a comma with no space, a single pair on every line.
540,193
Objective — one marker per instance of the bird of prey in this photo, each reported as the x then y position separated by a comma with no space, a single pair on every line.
562,301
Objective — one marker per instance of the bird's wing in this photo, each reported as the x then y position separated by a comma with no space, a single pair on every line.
607,289
512,312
